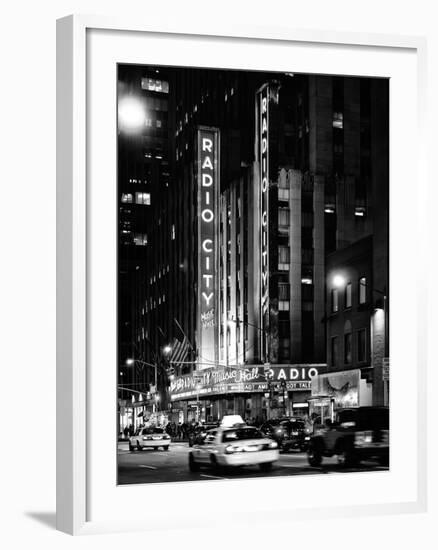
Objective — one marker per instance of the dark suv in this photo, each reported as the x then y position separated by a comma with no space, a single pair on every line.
357,434
289,433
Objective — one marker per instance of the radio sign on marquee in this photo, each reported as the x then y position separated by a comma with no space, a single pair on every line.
208,183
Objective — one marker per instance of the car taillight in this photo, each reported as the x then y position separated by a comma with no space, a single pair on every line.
166,436
362,438
385,436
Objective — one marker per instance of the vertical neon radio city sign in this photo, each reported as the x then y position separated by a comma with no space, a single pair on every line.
208,187
263,155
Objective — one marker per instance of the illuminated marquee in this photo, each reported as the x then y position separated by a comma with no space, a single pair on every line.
263,121
250,379
207,173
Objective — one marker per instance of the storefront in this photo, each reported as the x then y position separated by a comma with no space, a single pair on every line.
255,392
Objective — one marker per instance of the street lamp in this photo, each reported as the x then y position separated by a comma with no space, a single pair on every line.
131,114
338,281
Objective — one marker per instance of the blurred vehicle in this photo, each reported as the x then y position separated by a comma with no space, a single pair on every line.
200,432
357,434
288,432
238,445
149,437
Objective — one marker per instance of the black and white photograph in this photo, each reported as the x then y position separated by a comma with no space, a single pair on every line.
253,274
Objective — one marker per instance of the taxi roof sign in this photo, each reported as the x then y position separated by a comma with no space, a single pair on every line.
231,420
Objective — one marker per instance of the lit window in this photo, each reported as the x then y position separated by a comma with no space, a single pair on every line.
283,305
362,290
283,218
360,211
348,295
283,291
154,85
140,239
143,198
158,123
126,197
307,281
338,120
335,300
283,194
330,208
148,122
283,258
172,234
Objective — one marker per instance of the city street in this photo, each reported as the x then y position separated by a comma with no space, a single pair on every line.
158,466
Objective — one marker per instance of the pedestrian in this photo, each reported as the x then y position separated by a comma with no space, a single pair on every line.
179,430
126,432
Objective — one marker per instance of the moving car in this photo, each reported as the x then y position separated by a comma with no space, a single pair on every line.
237,445
149,437
288,432
357,434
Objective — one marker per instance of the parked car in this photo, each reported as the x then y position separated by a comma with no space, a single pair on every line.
288,432
149,437
355,435
240,445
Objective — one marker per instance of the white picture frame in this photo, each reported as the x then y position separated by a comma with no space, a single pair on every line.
86,499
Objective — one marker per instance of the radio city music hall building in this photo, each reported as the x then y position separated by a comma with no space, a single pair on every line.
266,175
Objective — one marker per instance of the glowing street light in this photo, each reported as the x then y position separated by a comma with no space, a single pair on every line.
132,114
338,281
167,349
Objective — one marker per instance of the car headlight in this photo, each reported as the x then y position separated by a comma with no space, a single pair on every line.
272,445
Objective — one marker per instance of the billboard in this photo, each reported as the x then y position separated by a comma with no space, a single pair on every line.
244,379
208,187
343,387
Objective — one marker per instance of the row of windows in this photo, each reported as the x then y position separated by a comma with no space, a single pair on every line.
361,348
362,295
140,198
